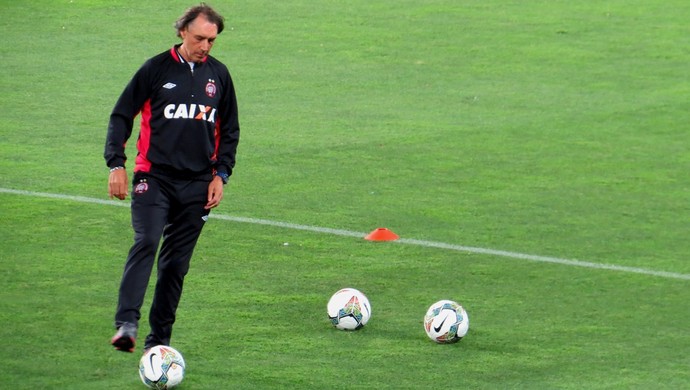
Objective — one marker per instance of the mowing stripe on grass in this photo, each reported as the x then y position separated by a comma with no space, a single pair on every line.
408,241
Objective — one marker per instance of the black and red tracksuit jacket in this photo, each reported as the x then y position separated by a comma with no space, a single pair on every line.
189,123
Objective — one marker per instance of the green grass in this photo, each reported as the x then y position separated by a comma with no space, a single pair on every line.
545,128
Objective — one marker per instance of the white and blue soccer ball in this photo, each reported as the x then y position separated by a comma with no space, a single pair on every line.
162,367
349,309
446,322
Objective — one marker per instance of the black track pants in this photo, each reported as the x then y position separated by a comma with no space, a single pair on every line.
174,210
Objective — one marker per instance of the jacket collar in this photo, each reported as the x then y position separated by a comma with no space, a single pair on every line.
178,58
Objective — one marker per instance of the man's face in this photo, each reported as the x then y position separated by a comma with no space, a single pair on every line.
198,38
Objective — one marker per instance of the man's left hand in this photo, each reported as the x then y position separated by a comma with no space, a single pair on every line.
215,193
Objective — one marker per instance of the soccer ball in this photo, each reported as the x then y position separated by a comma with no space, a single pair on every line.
349,309
446,322
161,367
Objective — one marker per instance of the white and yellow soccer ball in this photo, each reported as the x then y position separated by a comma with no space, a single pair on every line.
349,309
162,367
446,322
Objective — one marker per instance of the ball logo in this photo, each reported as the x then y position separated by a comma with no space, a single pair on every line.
210,89
141,188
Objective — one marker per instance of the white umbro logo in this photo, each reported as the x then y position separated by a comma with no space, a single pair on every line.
169,86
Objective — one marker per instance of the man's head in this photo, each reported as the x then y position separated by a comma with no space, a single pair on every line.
198,28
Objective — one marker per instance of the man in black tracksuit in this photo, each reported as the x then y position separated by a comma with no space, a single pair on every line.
185,153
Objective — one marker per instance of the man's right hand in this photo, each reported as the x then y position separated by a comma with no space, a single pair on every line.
118,184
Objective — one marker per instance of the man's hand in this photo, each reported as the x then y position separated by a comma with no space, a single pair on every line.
215,193
117,184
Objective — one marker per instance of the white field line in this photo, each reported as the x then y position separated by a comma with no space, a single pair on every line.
407,241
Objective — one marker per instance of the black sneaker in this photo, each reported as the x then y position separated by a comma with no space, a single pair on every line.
125,338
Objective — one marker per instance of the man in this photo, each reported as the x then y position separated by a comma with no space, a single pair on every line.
185,153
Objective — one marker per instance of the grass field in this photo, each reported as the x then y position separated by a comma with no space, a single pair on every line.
492,136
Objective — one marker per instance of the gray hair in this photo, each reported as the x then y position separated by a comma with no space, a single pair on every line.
193,12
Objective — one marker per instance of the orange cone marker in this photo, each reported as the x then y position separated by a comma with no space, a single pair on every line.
381,234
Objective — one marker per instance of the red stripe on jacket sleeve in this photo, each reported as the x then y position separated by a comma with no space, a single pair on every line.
217,137
142,163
